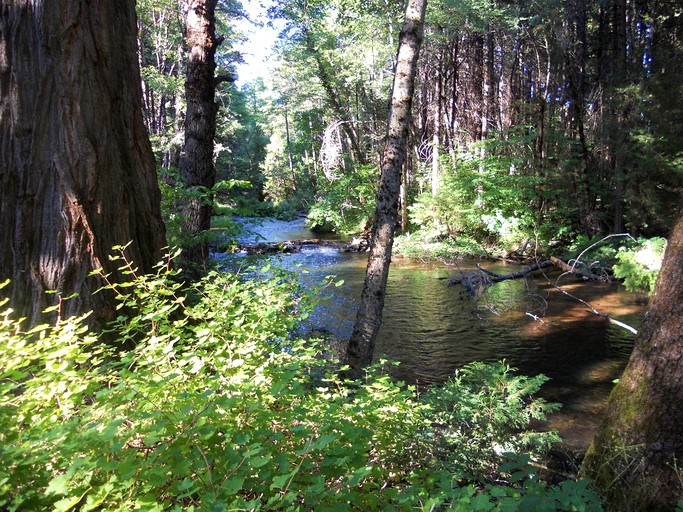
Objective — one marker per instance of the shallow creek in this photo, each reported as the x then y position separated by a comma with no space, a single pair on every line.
432,330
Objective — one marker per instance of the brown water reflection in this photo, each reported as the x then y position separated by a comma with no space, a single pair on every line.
582,353
432,330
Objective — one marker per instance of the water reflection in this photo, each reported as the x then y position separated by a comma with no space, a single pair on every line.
432,331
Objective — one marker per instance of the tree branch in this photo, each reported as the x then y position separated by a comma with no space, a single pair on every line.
218,40
219,79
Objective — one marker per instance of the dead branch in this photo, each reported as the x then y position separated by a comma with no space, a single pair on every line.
486,277
474,283
573,269
287,247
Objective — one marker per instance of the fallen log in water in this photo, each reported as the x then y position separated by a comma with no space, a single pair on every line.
289,246
475,283
573,269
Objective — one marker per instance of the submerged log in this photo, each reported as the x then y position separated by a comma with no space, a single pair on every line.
289,246
475,283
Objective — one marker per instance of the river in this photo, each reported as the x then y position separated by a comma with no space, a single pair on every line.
432,330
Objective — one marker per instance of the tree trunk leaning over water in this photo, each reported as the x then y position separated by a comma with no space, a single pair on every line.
636,459
77,173
197,170
362,343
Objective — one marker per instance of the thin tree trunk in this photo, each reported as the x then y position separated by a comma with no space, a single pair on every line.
334,99
404,196
488,97
197,170
77,173
436,138
288,141
635,458
362,343
618,224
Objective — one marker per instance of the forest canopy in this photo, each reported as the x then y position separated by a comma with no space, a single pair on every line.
546,121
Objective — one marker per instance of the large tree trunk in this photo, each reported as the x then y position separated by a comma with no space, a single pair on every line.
77,174
362,343
197,169
636,456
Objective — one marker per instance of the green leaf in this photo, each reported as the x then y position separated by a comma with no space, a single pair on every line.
233,485
481,502
280,481
58,485
67,503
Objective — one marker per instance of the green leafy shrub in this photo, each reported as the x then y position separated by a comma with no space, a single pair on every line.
289,209
639,265
421,245
483,412
347,204
322,219
206,401
214,407
174,194
242,205
524,492
480,198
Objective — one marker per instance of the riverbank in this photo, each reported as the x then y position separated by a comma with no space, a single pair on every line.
432,329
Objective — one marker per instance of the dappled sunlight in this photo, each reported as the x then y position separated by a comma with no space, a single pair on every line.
605,371
432,329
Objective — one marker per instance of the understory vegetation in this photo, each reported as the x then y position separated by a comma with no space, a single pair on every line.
201,398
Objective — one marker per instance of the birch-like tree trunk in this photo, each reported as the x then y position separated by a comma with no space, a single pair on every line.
77,173
362,343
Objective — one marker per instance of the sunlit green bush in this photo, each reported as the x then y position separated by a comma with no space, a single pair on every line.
483,412
347,204
478,199
206,401
638,265
215,406
422,245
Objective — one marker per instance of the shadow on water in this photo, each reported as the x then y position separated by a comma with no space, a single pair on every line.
432,330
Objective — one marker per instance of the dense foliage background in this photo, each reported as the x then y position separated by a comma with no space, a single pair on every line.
534,121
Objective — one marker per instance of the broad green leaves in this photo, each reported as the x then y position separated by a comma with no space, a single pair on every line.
201,399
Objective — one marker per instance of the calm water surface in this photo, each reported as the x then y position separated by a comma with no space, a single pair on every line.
432,330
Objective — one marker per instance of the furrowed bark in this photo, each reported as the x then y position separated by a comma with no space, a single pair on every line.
197,170
77,173
635,458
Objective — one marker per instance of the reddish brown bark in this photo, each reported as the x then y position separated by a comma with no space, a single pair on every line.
197,170
77,174
636,457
